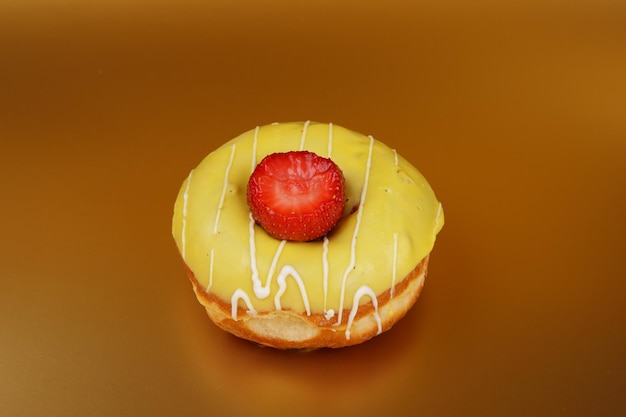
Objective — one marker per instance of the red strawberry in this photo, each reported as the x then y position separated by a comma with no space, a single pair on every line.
296,195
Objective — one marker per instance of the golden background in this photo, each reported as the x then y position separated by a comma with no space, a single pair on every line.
515,111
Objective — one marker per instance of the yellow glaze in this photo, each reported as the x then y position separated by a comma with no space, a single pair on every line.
390,223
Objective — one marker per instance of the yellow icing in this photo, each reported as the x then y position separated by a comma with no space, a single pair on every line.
387,228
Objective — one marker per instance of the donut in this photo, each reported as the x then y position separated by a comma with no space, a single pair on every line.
340,289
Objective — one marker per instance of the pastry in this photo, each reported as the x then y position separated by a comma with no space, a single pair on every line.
352,280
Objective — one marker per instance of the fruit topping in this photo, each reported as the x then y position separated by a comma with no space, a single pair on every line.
296,195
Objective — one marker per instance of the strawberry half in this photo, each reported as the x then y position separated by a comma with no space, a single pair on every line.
296,195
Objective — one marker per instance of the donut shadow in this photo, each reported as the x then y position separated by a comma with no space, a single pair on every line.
340,376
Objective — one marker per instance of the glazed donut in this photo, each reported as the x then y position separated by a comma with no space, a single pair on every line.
342,289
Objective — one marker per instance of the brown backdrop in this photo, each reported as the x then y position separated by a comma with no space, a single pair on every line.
514,111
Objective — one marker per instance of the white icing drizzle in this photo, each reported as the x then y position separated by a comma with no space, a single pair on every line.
395,157
438,216
364,290
224,189
184,222
330,139
263,292
211,258
303,137
356,231
234,302
255,271
290,271
218,213
394,265
254,142
325,270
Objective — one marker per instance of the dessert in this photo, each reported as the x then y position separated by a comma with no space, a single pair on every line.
346,285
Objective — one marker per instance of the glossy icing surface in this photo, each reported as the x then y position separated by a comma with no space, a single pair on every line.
390,224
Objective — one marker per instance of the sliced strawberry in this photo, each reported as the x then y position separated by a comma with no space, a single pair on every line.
296,195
